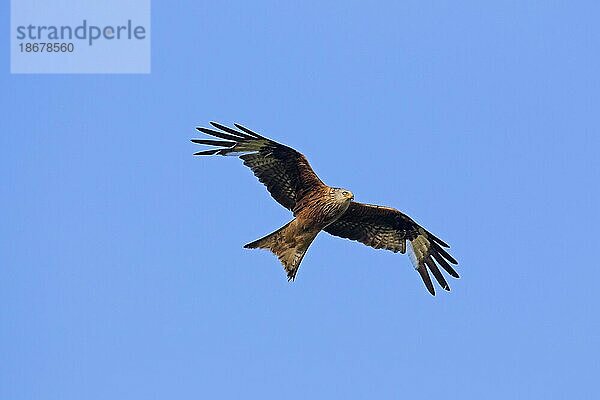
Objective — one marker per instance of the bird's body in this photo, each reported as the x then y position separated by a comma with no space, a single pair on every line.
316,207
320,207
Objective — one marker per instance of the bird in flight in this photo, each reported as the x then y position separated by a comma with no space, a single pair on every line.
317,207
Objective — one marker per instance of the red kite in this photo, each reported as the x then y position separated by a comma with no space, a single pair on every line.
291,181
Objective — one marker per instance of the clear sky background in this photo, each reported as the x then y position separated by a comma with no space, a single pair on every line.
122,272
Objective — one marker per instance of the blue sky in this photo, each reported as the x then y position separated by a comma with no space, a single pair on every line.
122,269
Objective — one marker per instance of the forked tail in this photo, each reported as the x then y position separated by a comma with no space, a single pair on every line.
289,243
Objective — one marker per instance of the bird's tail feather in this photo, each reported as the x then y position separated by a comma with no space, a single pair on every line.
287,244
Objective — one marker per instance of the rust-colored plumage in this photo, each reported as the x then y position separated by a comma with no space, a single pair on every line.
291,181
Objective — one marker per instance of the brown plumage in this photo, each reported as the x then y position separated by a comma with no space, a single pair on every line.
291,181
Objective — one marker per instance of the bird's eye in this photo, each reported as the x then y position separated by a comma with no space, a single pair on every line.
345,193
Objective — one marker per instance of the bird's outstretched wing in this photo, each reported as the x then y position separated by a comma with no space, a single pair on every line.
284,171
389,229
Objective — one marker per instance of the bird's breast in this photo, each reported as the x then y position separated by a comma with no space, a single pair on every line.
322,211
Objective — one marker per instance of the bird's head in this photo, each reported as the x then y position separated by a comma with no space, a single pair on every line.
343,195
